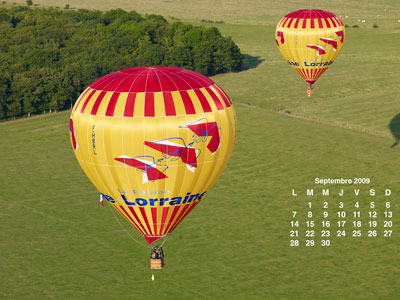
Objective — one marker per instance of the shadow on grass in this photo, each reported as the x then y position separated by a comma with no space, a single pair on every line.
252,61
394,127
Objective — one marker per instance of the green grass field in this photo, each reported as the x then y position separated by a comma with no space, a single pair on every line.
57,242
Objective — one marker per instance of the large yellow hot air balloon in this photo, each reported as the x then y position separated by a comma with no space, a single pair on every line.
310,40
153,140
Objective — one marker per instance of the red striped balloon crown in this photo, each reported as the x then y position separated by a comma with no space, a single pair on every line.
310,18
152,92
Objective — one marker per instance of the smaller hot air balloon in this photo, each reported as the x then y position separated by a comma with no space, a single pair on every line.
310,40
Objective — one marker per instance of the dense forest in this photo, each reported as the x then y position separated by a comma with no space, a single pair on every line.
49,56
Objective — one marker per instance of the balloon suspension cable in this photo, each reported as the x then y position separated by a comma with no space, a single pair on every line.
310,90
141,244
164,240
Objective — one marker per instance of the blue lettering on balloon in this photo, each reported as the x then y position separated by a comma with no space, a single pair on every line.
141,201
126,201
161,201
293,63
318,64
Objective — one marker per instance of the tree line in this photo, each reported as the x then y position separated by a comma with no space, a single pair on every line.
49,56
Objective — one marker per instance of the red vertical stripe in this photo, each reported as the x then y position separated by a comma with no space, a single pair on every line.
149,105
308,74
224,97
221,91
179,217
154,216
133,222
130,105
320,23
176,208
146,221
304,23
184,216
80,98
312,23
86,101
164,216
169,104
317,74
327,23
323,70
333,22
97,103
299,71
286,19
187,102
215,98
203,101
303,71
290,23
111,104
138,220
128,218
297,23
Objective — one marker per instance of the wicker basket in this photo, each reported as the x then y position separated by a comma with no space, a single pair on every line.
156,263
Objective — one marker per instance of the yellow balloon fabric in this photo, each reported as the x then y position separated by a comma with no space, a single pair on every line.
310,40
153,140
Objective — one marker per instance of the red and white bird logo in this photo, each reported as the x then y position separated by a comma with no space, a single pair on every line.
331,42
340,34
176,147
145,164
320,49
280,34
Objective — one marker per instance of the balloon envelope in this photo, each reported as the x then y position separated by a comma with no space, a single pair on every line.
153,140
310,40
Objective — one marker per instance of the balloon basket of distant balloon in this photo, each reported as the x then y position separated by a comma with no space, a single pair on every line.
310,91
